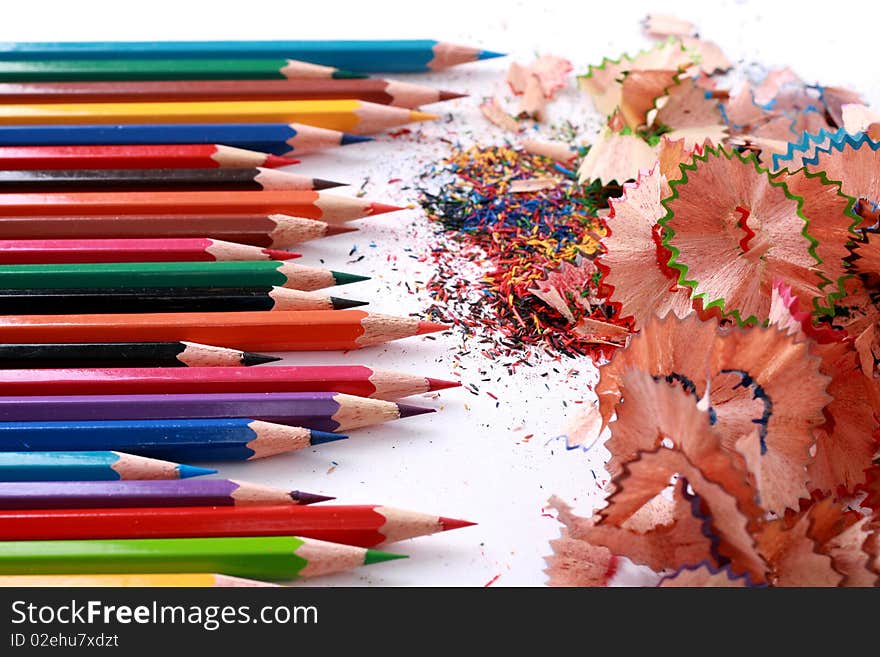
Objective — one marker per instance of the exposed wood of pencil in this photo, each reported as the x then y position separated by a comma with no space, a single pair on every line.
354,116
136,156
374,90
185,249
305,204
365,526
276,331
168,179
259,229
186,580
125,354
165,300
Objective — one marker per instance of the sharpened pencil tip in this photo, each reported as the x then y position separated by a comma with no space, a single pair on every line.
416,115
382,208
377,556
449,95
342,304
321,437
337,229
187,471
348,139
441,384
341,278
490,54
431,327
249,358
275,161
454,523
277,254
408,410
303,498
320,183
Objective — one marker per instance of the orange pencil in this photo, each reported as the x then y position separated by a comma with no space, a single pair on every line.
250,331
306,204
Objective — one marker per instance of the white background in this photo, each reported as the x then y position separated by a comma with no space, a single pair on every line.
470,459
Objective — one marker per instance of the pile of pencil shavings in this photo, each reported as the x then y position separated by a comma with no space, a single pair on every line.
743,411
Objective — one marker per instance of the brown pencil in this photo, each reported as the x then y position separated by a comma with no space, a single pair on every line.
383,92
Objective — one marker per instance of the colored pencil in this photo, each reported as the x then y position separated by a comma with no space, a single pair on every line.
382,92
355,116
305,204
192,417
276,138
251,68
136,156
263,557
250,273
155,249
211,493
182,440
308,330
111,180
268,230
365,526
165,300
356,380
125,355
190,580
367,56
80,467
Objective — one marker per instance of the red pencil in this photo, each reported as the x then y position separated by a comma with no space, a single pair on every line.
349,379
186,249
136,156
365,526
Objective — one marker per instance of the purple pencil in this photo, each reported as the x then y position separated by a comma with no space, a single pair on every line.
114,494
322,411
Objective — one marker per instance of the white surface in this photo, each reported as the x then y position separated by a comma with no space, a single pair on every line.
468,460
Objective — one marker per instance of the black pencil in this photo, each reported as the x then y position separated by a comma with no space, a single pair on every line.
124,354
165,300
253,178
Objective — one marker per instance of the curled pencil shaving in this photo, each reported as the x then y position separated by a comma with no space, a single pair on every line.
709,55
615,156
664,25
639,92
859,118
584,428
634,264
834,99
538,82
595,331
552,149
568,287
854,161
793,556
493,111
704,576
533,185
731,230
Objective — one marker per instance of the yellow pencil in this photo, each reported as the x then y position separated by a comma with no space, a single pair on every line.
147,579
352,116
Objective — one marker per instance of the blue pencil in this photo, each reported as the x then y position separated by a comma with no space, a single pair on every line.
360,56
225,439
90,466
275,138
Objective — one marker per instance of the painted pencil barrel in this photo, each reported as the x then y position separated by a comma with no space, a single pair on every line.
203,439
189,580
83,466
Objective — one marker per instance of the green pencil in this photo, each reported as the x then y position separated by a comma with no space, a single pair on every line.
256,273
166,69
260,557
